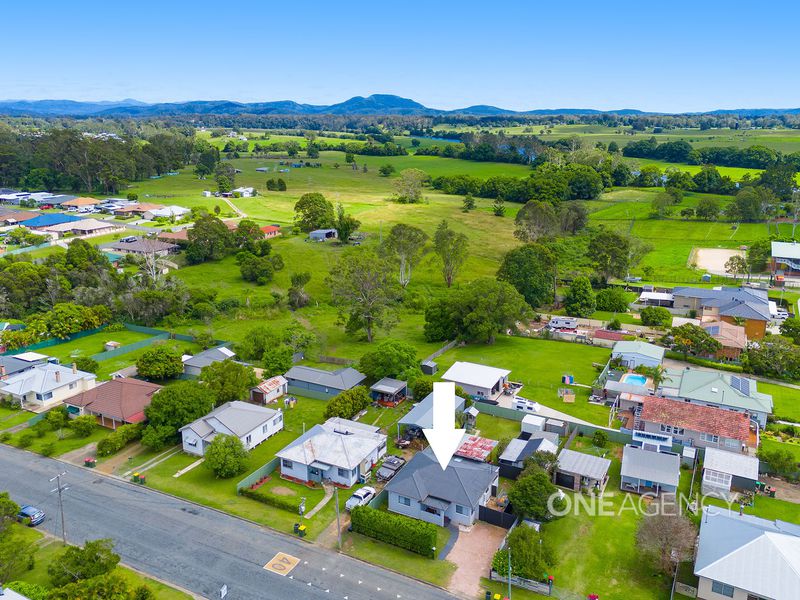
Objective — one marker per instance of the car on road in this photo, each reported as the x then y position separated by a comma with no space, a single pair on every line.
360,497
31,514
389,468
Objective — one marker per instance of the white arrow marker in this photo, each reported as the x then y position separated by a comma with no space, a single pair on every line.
444,438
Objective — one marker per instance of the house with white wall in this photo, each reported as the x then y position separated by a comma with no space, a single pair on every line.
250,423
46,385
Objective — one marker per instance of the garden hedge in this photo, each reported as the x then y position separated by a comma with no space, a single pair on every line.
702,362
278,502
115,442
404,532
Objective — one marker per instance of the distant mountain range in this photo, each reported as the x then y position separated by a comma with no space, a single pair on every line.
377,104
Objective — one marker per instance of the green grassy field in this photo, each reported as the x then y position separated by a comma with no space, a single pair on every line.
786,400
92,344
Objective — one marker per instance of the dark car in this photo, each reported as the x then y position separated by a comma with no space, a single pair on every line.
390,467
31,514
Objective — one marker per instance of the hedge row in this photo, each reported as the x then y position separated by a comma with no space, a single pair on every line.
404,532
702,362
115,442
277,501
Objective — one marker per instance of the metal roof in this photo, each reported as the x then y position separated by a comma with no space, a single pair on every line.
474,374
786,250
582,464
519,449
756,555
240,418
41,379
732,463
722,389
212,355
387,385
341,379
337,442
422,414
643,348
660,467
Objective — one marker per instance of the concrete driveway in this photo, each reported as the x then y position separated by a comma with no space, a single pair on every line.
472,555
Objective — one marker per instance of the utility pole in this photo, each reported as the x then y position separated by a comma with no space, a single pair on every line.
509,570
338,525
60,488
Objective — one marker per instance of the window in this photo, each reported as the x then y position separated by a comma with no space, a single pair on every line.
287,463
191,442
731,443
344,472
45,396
707,437
461,510
72,385
752,597
264,428
247,440
404,501
722,588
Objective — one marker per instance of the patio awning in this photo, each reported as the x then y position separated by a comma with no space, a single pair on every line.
320,466
436,503
389,386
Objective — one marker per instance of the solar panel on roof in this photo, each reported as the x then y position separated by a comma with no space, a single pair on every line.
742,384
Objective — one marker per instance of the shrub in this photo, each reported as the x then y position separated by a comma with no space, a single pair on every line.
40,429
114,327
404,532
348,403
600,438
656,316
160,362
421,387
5,437
226,456
276,501
612,299
83,426
119,439
614,325
26,439
48,449
87,364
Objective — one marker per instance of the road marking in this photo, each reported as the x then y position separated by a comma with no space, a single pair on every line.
282,564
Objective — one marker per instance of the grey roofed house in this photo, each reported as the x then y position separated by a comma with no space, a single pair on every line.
145,247
640,467
10,365
387,385
56,200
463,482
421,416
586,466
237,416
519,449
309,380
207,357
337,442
742,302
755,556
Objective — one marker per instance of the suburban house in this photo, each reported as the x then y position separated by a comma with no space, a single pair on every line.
512,460
320,235
746,558
46,385
322,384
48,220
785,258
480,381
577,471
271,231
250,423
244,192
653,298
81,202
714,388
16,217
116,402
192,365
389,391
733,339
733,305
637,354
725,473
82,227
138,209
423,491
340,451
269,390
11,365
145,247
421,415
167,212
649,471
54,201
695,425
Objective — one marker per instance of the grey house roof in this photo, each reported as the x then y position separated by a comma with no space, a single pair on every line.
660,467
582,464
748,303
240,418
724,389
463,482
336,442
732,463
422,414
643,348
206,357
387,385
42,379
13,365
519,449
752,554
341,379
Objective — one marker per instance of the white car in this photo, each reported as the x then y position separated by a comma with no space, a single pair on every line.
360,497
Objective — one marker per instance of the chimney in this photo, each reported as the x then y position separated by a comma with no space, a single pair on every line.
2,371
58,376
74,368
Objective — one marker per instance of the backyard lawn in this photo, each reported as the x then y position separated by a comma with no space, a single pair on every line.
539,365
786,400
10,417
60,442
92,344
49,548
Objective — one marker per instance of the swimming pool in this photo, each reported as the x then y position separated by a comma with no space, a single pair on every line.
634,379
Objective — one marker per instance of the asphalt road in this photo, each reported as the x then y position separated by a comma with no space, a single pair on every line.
196,548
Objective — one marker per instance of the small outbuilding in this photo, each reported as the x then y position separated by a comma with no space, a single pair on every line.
512,460
388,391
577,471
321,235
269,390
636,354
725,473
649,471
482,382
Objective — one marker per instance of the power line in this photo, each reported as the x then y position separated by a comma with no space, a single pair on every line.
61,488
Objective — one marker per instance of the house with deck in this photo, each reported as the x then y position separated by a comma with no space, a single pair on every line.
742,557
648,471
252,424
423,491
338,451
785,258
481,382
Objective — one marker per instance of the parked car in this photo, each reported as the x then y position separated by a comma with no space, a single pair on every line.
128,239
389,468
33,515
360,497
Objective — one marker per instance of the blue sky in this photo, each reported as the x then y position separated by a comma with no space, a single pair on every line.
676,56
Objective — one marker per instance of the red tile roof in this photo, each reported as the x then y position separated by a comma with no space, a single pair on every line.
271,229
119,399
605,334
704,419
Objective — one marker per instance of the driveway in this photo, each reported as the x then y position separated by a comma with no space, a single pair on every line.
472,555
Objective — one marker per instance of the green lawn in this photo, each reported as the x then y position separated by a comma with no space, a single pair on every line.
770,444
765,507
92,344
49,549
786,401
437,572
10,417
68,442
597,554
539,365
496,428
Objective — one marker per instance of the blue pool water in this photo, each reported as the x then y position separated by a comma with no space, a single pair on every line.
634,379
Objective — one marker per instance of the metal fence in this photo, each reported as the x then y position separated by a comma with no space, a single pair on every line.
128,348
258,474
55,341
